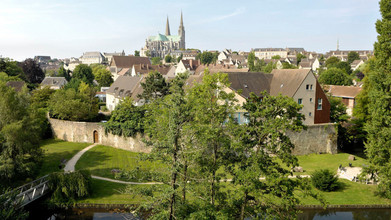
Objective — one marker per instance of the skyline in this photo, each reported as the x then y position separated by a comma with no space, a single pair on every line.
63,30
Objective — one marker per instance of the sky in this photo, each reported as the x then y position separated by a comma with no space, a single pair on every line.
67,28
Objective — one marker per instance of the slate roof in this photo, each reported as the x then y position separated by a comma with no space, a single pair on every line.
129,61
343,91
124,86
250,82
54,81
287,81
17,85
92,54
144,69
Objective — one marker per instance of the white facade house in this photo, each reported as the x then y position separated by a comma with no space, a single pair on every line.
92,58
124,86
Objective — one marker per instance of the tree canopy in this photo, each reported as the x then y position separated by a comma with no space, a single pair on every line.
335,76
84,73
352,56
32,71
102,75
155,86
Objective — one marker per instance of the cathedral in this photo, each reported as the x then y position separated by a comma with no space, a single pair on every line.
162,45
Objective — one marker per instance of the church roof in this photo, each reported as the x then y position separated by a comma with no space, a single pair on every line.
162,37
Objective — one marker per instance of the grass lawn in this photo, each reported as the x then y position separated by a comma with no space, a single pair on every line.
313,162
104,192
100,160
55,151
349,194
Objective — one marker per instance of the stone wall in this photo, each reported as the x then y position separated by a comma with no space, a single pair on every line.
319,138
84,132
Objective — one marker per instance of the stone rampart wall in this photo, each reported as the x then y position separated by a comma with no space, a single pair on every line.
85,131
320,138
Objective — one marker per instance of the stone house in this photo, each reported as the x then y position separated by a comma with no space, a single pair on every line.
122,65
187,66
141,69
91,58
356,64
299,84
123,86
54,82
347,93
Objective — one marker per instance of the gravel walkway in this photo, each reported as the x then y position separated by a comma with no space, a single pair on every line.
70,166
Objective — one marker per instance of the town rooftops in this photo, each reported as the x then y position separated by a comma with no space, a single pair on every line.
343,91
144,69
92,55
213,68
54,81
124,86
128,61
17,85
287,81
269,49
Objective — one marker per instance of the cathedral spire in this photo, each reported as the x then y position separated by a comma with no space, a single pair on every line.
167,28
181,20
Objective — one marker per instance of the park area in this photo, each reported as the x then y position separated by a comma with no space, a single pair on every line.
108,162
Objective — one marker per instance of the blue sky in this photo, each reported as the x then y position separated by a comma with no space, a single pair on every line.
67,28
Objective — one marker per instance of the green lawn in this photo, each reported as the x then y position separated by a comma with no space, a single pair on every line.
104,192
55,151
350,193
313,162
100,160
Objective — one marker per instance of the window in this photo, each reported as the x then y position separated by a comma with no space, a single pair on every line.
311,87
310,114
319,104
310,99
308,87
300,101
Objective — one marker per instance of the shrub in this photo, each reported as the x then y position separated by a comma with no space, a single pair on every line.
325,180
67,187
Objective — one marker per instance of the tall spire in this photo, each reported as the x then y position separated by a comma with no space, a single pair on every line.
167,28
181,19
337,44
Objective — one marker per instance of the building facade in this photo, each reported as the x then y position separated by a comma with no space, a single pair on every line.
162,45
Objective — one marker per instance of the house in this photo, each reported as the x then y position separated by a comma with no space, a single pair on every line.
215,68
187,66
356,64
91,58
109,56
312,64
71,65
101,95
299,84
343,54
186,54
122,65
347,93
54,82
17,85
268,53
123,86
141,69
42,59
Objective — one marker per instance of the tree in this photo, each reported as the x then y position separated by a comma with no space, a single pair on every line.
331,61
286,65
269,118
168,59
207,57
8,209
84,73
136,53
155,86
343,66
251,61
299,56
62,72
180,58
126,120
335,76
276,57
32,71
102,75
11,68
352,56
337,110
40,97
378,126
156,60
21,128
74,106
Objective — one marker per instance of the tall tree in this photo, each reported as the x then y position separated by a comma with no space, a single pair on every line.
102,75
352,56
32,71
11,68
62,72
335,76
136,53
331,61
251,61
168,59
155,86
84,73
378,126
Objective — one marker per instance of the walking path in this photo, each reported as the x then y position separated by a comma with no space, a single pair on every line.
70,166
123,182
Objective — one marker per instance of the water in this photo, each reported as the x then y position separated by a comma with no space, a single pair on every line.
117,214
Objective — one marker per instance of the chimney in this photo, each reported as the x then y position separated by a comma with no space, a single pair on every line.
191,63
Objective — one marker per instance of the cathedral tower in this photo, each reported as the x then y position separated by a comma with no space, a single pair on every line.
181,33
167,28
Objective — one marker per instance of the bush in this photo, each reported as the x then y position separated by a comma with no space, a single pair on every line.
67,187
325,180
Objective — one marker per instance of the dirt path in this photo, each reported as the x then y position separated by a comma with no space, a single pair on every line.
70,166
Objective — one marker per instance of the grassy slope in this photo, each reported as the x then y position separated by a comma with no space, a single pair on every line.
100,160
55,151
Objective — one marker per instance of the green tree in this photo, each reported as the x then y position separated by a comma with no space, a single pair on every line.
299,56
276,57
21,128
378,126
207,57
5,78
126,120
325,180
11,68
286,65
180,58
332,61
40,97
337,110
251,61
156,60
102,75
84,73
343,66
155,86
64,73
8,209
335,76
269,118
136,53
269,67
352,56
168,59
